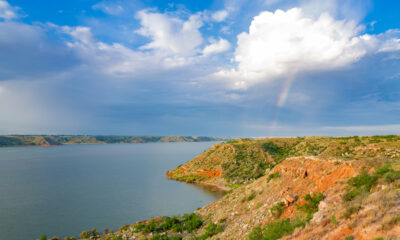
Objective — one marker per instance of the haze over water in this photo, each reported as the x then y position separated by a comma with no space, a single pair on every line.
63,190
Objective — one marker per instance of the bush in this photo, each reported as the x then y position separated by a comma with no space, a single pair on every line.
211,230
85,234
168,223
311,206
95,233
277,210
363,180
116,238
361,183
351,210
256,234
157,236
276,230
251,196
191,222
272,176
43,237
150,227
333,220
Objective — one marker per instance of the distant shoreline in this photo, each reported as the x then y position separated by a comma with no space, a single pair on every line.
57,140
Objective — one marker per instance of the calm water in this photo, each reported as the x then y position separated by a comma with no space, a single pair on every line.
63,190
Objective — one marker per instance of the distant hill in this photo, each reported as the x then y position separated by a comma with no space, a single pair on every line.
48,140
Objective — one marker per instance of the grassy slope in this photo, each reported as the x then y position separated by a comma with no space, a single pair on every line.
28,140
353,204
243,161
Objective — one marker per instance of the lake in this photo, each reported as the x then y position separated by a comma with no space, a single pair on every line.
63,190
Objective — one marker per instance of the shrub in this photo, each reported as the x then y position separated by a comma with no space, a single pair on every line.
85,234
150,227
277,210
43,237
311,206
276,230
192,222
361,183
256,234
95,233
175,238
363,180
272,176
157,236
351,210
211,230
333,220
251,196
168,223
116,238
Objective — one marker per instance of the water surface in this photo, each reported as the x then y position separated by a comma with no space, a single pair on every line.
62,190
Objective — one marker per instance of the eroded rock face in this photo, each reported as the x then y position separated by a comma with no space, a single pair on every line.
327,176
377,214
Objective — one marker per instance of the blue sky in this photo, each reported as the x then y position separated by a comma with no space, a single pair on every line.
226,68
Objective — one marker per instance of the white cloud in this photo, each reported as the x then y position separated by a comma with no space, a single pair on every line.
109,8
170,34
80,34
215,47
6,11
284,42
112,59
220,16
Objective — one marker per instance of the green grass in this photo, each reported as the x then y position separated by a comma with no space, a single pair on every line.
275,230
273,176
234,186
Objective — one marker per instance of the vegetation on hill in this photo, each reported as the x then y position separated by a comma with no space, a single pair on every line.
243,161
310,188
46,140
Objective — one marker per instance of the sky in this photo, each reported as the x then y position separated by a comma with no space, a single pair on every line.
210,68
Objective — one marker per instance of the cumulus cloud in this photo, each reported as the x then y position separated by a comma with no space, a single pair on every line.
215,47
6,11
220,16
112,59
170,34
80,34
284,42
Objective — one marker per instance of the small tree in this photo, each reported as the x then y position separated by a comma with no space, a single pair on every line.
43,237
85,235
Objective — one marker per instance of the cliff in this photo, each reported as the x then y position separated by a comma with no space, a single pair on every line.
289,188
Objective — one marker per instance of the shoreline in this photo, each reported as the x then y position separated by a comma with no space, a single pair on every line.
209,186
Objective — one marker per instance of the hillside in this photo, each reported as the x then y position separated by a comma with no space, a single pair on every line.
238,162
288,188
47,140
